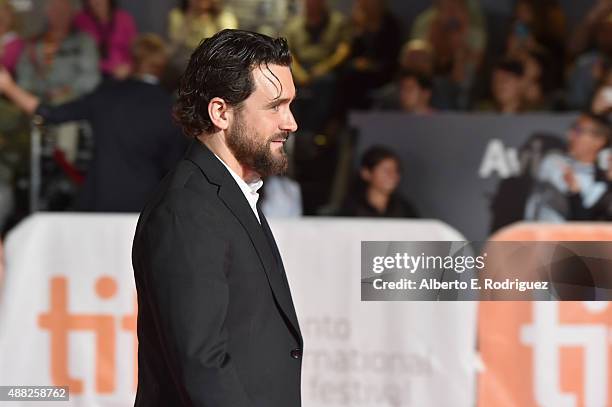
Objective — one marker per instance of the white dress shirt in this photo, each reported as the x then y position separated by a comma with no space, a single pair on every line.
249,190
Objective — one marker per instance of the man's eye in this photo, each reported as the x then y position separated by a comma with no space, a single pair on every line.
276,108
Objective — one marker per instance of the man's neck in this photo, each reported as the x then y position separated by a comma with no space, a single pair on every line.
216,144
377,199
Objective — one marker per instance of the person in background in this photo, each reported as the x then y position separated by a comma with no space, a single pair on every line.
375,46
263,16
413,94
456,31
375,192
507,88
589,67
518,85
584,36
188,25
600,210
113,30
61,64
11,44
136,140
546,20
574,172
417,56
14,129
320,42
195,20
537,89
58,66
601,103
536,39
539,27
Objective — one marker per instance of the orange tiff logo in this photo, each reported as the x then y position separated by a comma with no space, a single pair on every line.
59,322
545,354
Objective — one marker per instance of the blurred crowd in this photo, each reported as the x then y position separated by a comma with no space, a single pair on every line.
102,92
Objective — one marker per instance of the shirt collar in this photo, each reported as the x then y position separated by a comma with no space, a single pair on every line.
247,188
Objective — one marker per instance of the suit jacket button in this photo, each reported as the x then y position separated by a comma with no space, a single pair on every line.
296,353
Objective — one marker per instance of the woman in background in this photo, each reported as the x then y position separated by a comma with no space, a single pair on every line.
375,192
457,32
188,25
196,20
375,46
10,43
113,30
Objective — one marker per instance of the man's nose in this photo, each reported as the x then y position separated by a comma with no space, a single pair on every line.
290,124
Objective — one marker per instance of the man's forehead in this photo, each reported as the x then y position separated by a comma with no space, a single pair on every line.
273,81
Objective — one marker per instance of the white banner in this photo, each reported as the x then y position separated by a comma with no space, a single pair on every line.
68,315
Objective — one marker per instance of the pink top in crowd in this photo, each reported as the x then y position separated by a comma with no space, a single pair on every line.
10,50
118,36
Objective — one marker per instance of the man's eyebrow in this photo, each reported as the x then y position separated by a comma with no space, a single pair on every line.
280,101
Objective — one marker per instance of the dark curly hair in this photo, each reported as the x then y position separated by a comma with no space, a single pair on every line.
222,66
377,153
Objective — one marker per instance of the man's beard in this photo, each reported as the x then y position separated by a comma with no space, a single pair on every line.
256,154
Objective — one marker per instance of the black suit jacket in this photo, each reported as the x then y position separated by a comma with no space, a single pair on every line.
135,143
216,322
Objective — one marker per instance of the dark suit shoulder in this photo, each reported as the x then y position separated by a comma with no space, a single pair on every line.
186,192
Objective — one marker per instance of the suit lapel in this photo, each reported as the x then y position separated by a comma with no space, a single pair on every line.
236,202
281,271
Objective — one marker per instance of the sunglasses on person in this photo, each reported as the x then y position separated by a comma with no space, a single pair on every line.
581,129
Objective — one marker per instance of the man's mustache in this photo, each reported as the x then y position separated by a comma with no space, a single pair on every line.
279,137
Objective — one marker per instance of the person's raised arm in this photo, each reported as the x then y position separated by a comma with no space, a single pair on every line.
21,97
80,109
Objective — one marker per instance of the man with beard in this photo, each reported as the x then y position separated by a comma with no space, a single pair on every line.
216,322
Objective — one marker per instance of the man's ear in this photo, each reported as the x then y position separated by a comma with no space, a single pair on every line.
218,111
